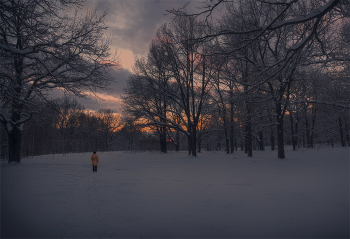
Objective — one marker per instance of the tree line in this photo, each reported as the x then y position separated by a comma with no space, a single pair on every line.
259,73
265,69
46,45
64,126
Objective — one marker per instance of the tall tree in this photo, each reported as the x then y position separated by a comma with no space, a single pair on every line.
156,70
173,82
46,45
191,73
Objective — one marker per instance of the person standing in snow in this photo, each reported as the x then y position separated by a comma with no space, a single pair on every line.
94,159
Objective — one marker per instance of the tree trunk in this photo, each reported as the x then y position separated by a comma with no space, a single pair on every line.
248,126
313,122
347,132
199,142
164,132
272,139
232,143
227,141
177,140
162,143
231,121
296,132
194,141
249,138
189,143
261,141
309,133
342,140
280,138
15,134
280,130
14,137
292,132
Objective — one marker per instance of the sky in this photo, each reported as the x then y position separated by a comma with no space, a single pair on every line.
132,24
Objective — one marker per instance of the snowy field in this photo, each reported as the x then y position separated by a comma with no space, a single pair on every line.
153,195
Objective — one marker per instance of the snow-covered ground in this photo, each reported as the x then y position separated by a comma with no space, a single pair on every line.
174,195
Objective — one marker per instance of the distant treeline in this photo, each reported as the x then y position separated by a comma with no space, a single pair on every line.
69,128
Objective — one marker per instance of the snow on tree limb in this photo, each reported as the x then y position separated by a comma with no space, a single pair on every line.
317,102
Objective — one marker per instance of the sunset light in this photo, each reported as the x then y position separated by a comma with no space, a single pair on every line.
198,118
127,59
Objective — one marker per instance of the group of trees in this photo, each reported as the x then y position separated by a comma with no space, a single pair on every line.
45,45
64,126
264,68
265,72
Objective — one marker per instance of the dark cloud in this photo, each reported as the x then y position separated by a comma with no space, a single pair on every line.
110,98
133,23
120,76
105,99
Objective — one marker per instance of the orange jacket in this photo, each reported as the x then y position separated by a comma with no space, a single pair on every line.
94,159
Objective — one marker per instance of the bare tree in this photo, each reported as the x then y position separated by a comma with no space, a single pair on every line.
109,123
293,12
173,83
156,71
129,134
46,45
190,72
66,121
272,38
144,101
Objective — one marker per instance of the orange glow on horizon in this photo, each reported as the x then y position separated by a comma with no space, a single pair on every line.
111,63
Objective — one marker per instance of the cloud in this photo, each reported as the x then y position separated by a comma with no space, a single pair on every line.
120,76
102,102
132,26
110,98
126,58
133,23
